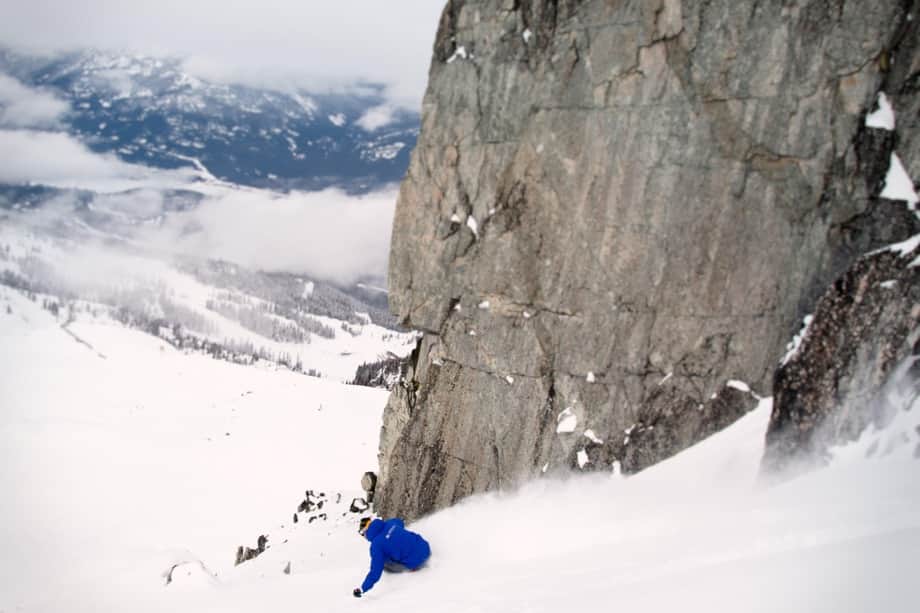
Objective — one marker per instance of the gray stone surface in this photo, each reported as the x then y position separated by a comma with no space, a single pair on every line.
615,208
865,325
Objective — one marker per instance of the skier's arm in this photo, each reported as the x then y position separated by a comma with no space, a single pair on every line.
377,561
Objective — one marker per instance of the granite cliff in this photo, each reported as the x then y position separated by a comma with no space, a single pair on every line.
615,218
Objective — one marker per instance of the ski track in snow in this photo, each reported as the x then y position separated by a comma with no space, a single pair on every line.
115,470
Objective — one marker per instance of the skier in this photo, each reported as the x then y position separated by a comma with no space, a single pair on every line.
393,548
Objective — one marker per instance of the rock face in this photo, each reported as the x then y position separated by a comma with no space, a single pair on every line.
839,380
861,344
616,208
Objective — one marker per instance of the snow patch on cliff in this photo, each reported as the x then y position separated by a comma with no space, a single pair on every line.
898,184
883,117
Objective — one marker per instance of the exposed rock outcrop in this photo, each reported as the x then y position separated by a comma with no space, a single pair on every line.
614,209
315,507
369,484
244,554
836,383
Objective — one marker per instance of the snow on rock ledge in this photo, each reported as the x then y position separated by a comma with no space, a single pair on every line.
898,184
883,117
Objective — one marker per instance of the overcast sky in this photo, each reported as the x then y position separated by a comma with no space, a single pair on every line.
314,44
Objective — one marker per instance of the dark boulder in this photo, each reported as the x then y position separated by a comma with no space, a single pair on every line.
835,385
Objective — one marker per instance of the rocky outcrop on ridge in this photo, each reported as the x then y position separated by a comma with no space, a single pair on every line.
614,210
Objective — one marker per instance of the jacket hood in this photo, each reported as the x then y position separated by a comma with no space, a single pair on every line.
374,529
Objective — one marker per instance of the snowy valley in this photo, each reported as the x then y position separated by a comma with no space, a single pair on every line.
210,307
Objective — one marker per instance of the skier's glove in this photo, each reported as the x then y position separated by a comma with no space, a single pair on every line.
357,592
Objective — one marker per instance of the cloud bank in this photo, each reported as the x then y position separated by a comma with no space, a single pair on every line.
312,45
327,235
59,160
376,117
25,107
54,158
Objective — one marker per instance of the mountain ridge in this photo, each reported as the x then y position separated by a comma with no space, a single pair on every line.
149,111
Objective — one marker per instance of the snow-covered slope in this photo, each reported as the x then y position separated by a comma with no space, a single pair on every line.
123,456
117,468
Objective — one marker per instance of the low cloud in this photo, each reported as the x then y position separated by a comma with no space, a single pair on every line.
328,235
53,158
143,203
26,107
377,117
59,160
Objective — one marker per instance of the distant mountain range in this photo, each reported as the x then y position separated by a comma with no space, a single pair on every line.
149,111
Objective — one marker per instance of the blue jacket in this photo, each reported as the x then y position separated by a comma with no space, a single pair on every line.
391,542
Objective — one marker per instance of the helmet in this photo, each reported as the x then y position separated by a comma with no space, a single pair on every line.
363,524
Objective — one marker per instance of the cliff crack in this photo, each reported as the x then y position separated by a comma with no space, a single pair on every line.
557,313
491,373
438,451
